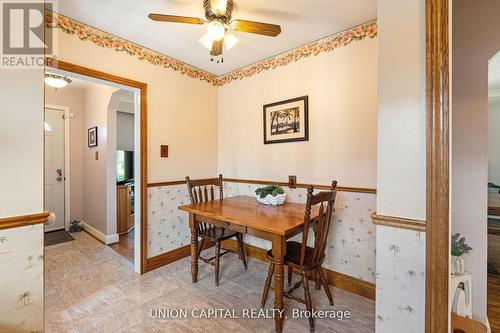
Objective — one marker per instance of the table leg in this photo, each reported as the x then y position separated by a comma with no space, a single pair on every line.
193,225
279,251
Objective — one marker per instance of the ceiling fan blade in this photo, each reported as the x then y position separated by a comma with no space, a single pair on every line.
217,48
258,28
175,19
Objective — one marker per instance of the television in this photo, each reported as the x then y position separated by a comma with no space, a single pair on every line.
124,166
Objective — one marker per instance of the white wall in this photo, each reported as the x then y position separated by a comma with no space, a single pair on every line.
124,131
476,39
96,100
401,117
401,164
21,179
182,112
341,86
21,142
72,98
494,137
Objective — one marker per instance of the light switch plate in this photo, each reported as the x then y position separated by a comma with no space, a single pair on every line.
164,151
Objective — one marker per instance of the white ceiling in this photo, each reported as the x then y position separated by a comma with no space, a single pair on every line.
494,73
79,84
302,21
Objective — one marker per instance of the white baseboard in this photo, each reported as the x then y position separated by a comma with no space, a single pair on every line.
106,239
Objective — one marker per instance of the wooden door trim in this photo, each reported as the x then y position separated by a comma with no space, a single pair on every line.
66,66
437,191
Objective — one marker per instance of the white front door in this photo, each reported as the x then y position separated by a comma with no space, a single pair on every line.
54,167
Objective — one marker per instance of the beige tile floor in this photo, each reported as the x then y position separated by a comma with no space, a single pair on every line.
91,288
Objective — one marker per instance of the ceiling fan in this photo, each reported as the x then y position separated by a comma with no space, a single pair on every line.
218,17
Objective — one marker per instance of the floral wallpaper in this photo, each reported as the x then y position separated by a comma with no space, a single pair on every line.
106,40
351,248
168,227
21,282
400,280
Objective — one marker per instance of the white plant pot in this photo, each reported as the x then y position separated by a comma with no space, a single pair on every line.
270,200
457,266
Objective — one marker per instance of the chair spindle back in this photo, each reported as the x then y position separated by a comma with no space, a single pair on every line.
326,202
202,190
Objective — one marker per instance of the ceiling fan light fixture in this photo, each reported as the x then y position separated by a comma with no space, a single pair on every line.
206,41
230,40
56,81
219,6
216,30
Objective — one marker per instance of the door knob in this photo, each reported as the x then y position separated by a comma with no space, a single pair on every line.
59,175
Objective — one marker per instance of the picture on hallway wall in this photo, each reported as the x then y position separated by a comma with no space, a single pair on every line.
286,121
92,137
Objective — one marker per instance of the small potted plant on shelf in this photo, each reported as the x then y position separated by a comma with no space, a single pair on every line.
458,249
270,195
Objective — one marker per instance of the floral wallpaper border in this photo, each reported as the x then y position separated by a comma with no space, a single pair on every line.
107,40
327,44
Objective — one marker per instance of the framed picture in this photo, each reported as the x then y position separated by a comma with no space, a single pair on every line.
92,136
286,121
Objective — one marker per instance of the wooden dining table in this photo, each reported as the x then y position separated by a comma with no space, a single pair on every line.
246,215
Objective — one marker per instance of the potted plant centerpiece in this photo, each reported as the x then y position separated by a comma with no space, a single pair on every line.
270,195
458,249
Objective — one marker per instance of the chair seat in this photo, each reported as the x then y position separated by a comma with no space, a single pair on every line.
293,254
217,233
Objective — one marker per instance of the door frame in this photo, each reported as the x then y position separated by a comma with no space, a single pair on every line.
438,154
81,70
67,171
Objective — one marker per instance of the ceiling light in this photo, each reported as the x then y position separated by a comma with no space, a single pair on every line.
230,40
216,30
206,41
219,6
56,81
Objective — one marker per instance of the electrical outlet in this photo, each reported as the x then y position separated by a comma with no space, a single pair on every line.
163,151
292,181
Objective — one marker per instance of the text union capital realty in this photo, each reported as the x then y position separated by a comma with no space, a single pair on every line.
209,313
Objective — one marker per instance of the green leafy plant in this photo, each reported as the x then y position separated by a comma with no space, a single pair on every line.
458,246
273,190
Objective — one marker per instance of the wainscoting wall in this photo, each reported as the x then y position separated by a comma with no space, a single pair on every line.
351,249
21,285
400,280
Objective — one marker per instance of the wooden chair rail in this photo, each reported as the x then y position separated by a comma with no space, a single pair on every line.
23,220
269,182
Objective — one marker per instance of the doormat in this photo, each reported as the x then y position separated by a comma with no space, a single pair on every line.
56,237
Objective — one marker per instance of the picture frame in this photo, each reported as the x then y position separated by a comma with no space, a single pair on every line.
92,137
286,121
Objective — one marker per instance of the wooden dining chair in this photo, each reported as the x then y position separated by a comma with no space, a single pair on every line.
304,260
203,190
